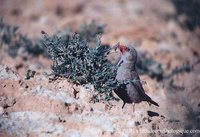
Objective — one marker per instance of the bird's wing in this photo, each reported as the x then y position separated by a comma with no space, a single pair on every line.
138,86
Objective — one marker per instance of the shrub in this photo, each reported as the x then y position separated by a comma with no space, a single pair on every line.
73,58
14,40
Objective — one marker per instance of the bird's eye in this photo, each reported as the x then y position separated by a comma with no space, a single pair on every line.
128,49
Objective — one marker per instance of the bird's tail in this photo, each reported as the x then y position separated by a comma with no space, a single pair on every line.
153,102
149,100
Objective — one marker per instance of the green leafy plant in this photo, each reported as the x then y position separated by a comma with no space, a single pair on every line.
90,31
74,59
14,40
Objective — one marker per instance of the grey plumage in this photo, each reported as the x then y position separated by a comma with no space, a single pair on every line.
132,92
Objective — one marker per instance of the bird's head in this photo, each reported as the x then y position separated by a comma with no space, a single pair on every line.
128,53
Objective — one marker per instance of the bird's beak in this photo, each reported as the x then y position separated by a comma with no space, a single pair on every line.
115,47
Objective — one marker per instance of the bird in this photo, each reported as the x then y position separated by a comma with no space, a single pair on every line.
132,92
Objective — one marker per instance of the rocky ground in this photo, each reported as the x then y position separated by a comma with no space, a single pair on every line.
40,106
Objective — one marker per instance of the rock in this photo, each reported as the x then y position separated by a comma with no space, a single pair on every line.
152,114
21,123
7,73
1,110
60,95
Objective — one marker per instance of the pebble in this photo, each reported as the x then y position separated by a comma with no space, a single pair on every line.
1,110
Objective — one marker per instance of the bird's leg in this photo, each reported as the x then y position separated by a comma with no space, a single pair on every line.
123,105
133,107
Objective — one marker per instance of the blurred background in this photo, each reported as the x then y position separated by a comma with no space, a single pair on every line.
165,31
